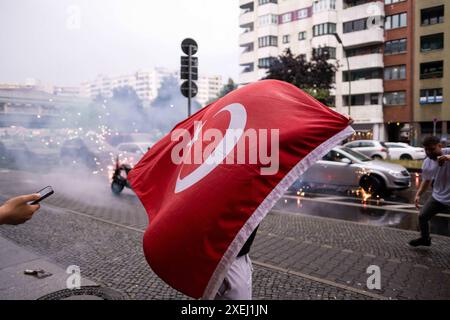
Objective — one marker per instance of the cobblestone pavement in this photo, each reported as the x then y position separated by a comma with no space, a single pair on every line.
295,256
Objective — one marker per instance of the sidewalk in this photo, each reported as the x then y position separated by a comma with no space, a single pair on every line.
340,252
15,285
294,256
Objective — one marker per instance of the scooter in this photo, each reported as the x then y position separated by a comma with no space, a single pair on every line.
119,177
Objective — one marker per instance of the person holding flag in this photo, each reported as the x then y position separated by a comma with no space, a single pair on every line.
208,184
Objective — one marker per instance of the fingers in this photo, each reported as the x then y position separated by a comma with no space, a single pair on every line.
27,198
35,207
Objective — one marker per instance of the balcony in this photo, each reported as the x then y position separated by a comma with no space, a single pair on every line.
246,37
363,86
366,114
364,61
246,18
369,9
248,77
247,57
364,37
267,8
245,3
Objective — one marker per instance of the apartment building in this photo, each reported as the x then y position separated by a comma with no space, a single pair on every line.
398,70
432,68
146,83
271,26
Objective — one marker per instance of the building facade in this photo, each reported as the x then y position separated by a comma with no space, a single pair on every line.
399,70
432,68
272,26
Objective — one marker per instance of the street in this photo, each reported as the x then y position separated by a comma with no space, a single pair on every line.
312,246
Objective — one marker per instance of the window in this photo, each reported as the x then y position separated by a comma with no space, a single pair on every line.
432,16
352,144
353,3
358,100
396,21
323,29
393,1
334,156
374,98
268,41
302,14
396,98
265,63
286,38
249,67
302,35
322,5
432,70
362,99
261,2
248,47
355,25
363,50
430,96
364,74
432,42
329,52
395,73
267,19
366,144
395,47
287,17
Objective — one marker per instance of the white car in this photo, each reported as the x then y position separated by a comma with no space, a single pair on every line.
403,151
132,152
377,150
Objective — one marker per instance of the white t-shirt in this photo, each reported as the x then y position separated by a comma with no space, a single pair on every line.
441,176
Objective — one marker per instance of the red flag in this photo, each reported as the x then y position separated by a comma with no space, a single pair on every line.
213,178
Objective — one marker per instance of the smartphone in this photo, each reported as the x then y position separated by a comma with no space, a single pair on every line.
45,193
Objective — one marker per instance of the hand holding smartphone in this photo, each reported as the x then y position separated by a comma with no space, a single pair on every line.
45,193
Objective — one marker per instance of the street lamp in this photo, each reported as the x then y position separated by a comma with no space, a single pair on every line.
349,72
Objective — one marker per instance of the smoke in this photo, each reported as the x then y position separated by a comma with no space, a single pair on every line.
35,143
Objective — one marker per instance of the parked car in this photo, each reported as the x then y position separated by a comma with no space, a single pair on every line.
346,167
31,153
89,151
134,148
371,148
403,151
3,154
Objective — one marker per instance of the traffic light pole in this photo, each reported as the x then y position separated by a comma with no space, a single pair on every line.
190,80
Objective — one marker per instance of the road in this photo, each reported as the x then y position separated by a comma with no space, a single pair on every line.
312,246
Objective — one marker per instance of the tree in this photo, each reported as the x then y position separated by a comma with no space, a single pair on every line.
170,106
226,89
316,76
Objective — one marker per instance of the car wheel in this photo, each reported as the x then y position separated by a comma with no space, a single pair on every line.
116,188
373,184
405,157
377,157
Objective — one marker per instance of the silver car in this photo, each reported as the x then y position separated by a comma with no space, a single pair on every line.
343,166
371,148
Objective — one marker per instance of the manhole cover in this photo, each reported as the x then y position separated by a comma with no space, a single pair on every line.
84,293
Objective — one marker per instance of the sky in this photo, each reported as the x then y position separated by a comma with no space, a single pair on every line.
66,42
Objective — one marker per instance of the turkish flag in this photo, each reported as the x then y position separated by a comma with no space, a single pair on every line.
209,183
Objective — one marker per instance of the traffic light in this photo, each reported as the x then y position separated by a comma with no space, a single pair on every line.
185,68
189,70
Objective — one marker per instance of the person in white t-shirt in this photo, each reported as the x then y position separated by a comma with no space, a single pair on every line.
435,172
